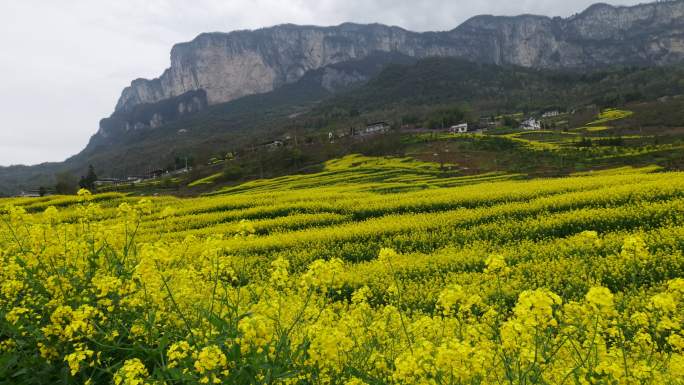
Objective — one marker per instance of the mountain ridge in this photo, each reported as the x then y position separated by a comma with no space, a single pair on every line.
229,65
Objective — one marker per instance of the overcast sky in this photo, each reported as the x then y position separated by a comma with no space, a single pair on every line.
64,63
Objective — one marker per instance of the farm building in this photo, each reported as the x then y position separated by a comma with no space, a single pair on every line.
531,124
375,128
459,128
272,145
109,181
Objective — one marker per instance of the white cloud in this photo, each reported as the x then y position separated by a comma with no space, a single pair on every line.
64,63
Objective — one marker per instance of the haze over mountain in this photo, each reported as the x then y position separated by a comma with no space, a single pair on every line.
312,62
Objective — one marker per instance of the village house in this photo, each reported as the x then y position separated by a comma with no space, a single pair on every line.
108,181
265,146
531,124
154,174
29,194
550,114
183,170
339,134
374,128
459,128
272,145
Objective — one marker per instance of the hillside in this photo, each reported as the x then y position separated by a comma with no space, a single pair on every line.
412,92
216,68
420,92
490,88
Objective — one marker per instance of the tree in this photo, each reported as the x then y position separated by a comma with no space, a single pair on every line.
233,171
296,157
510,122
66,183
42,191
88,181
91,178
184,161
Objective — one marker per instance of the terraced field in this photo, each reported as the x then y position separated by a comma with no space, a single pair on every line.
375,270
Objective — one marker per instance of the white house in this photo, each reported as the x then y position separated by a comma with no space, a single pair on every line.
459,128
273,145
377,127
531,124
108,181
550,114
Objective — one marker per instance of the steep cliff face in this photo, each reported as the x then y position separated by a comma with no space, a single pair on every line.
154,112
226,66
647,34
230,65
151,115
605,22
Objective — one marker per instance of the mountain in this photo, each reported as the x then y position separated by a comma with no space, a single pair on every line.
313,85
226,90
230,65
417,89
216,68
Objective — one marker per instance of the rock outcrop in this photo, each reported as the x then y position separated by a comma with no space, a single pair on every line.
230,65
152,115
227,66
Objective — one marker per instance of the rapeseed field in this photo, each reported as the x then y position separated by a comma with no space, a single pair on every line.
374,271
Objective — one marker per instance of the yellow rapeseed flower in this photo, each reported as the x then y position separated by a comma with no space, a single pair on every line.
133,372
600,299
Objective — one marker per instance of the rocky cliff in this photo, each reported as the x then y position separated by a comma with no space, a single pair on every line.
226,66
231,65
646,34
153,112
